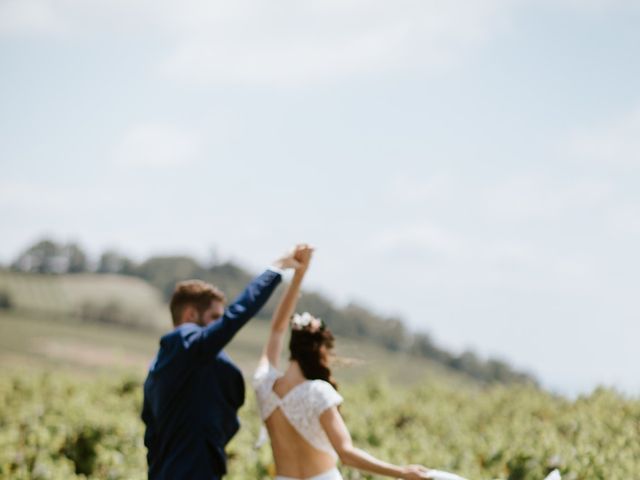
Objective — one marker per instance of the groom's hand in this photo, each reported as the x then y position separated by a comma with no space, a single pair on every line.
288,260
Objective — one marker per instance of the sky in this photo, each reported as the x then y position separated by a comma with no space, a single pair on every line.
472,167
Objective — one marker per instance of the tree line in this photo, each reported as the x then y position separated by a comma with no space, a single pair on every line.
353,320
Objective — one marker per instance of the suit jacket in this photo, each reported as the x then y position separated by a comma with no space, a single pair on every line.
193,392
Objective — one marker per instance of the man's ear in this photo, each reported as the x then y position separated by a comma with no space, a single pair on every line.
189,314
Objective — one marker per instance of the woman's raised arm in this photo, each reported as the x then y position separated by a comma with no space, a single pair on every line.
285,309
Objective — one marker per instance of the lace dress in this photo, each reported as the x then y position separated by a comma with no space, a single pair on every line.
302,405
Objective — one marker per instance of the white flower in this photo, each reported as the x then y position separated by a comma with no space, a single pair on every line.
301,321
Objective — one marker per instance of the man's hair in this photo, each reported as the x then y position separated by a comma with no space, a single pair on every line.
193,292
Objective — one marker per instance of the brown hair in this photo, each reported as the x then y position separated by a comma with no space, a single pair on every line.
193,292
305,348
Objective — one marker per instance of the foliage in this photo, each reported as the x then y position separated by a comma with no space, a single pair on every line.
47,256
5,300
54,426
113,261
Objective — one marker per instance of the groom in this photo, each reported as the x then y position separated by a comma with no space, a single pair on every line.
193,391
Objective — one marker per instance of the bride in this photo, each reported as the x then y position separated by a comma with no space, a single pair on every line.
299,405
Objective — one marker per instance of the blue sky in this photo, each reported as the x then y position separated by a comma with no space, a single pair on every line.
470,166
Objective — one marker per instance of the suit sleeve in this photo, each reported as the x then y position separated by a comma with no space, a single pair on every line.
214,337
147,418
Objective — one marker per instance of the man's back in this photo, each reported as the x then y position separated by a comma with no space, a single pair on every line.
193,403
193,391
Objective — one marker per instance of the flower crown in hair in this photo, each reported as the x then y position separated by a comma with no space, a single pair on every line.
299,322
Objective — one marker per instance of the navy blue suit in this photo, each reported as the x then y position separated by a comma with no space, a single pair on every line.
193,392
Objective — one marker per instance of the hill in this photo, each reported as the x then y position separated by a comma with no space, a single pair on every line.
89,348
101,298
138,299
89,322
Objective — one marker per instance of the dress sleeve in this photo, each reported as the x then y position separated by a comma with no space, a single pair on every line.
325,396
263,374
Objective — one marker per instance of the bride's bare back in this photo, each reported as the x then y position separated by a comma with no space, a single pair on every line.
293,455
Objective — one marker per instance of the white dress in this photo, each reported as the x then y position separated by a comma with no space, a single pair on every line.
302,407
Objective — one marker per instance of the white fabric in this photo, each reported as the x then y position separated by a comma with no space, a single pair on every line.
273,268
441,475
302,405
333,474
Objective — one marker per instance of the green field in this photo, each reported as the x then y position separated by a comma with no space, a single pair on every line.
70,390
59,425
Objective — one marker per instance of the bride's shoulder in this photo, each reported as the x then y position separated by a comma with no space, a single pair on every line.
265,372
324,395
321,385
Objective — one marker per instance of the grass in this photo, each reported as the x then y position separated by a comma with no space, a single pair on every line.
28,340
46,327
132,299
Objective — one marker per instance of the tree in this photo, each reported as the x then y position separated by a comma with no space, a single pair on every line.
75,257
112,261
47,256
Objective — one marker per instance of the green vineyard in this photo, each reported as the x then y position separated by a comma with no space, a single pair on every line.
63,426
71,394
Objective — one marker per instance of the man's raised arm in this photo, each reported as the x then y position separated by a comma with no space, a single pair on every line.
215,336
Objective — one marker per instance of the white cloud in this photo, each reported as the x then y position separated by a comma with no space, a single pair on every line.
407,189
288,43
14,193
596,6
414,240
521,197
536,197
516,233
426,241
157,145
55,200
614,143
626,219
315,42
27,17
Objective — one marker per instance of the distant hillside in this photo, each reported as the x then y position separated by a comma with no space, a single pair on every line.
97,295
86,296
36,342
353,321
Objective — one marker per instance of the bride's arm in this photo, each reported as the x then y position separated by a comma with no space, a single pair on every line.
286,307
340,438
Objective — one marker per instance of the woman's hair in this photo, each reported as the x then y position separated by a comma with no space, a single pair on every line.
305,348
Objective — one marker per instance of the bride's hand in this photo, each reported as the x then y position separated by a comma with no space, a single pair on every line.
416,472
302,254
288,260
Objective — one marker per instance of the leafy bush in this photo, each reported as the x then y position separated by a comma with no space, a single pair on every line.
54,426
5,300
